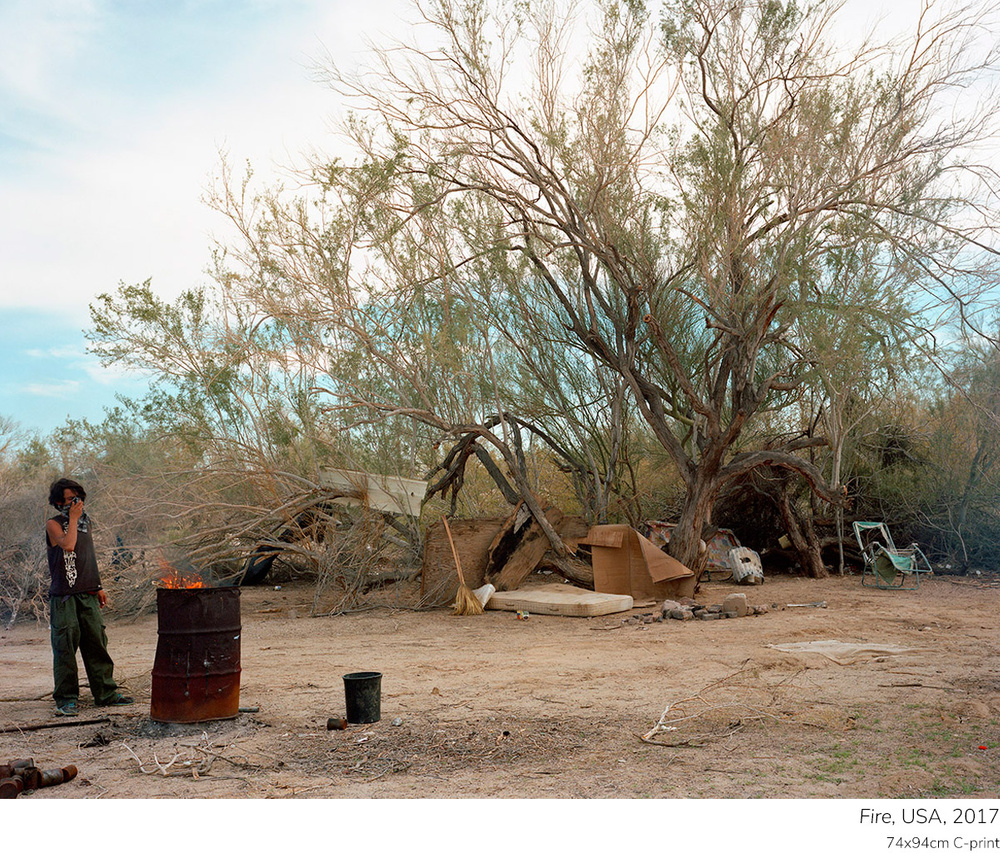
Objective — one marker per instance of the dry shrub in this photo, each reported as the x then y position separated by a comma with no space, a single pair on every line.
131,586
24,583
24,576
360,566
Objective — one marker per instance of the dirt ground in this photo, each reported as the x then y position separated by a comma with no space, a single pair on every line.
907,706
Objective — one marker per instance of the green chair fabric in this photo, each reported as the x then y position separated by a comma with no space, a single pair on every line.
885,565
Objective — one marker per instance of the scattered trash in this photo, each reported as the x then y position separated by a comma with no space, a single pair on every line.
397,721
746,566
277,589
522,615
249,709
718,547
642,619
809,604
21,775
983,747
336,723
734,606
484,593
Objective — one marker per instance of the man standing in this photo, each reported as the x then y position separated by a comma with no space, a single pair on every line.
75,601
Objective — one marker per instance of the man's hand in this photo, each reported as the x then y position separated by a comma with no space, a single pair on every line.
75,509
102,597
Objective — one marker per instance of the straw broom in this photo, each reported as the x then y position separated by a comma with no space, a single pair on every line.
466,603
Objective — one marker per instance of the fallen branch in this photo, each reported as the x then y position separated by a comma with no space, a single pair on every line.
571,568
674,712
59,724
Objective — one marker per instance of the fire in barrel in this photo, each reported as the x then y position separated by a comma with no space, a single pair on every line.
196,672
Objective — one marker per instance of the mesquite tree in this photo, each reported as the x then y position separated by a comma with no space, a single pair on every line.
670,188
654,192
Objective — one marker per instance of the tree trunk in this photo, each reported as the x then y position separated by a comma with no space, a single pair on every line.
575,570
686,544
805,543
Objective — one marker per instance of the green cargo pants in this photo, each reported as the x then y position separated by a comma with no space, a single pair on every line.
77,623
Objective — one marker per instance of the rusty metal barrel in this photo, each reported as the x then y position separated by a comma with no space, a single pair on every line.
196,672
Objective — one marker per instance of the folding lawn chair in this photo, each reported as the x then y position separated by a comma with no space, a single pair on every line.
886,566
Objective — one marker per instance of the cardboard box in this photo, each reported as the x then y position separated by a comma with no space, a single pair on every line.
626,563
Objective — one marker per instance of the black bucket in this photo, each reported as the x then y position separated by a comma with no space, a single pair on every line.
363,692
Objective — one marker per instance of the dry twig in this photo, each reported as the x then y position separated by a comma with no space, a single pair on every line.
675,714
196,766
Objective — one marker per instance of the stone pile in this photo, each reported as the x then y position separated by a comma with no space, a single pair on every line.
734,606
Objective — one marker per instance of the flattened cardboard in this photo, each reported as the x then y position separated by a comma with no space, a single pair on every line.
606,536
626,563
661,566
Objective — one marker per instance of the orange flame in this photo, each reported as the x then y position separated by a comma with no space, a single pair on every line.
173,579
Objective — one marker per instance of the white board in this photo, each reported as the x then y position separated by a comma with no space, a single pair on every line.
392,494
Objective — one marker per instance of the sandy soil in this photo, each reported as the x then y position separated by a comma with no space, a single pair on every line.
493,706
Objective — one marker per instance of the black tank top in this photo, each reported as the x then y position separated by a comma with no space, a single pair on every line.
75,571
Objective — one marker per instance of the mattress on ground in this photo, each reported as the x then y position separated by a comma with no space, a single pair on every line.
560,599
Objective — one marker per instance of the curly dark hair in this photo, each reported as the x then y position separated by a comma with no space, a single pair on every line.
56,491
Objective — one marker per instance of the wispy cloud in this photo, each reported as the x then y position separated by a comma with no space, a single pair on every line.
52,389
55,353
112,116
40,40
109,376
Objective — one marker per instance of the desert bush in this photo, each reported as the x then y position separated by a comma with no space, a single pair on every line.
24,578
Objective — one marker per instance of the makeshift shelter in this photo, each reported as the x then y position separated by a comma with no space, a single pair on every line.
390,496
719,546
393,495
504,552
438,577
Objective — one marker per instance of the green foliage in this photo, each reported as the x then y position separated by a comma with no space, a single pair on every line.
927,463
694,234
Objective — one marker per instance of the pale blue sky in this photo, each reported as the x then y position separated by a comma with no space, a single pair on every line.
113,114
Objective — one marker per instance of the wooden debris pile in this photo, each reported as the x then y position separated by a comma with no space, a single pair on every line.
503,552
